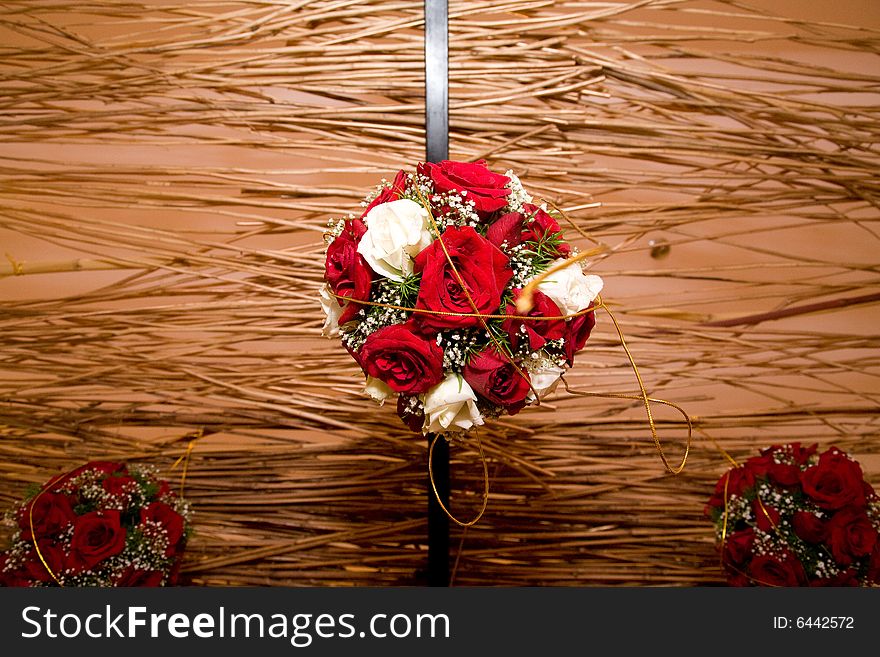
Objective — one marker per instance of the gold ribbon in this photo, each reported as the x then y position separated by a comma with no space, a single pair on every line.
17,267
34,536
485,464
184,458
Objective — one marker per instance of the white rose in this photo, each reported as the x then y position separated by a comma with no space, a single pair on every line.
570,288
545,378
451,406
396,232
378,390
332,309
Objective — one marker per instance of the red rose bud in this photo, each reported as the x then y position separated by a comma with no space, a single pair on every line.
401,358
738,547
413,417
171,521
497,379
835,482
766,517
577,332
353,230
537,333
481,266
506,230
486,189
388,194
851,535
540,226
96,536
52,513
809,527
767,570
802,454
348,275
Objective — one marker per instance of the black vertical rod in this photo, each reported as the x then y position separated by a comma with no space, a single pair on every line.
436,80
437,149
438,523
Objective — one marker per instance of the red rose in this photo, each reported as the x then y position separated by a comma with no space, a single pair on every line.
497,379
404,360
174,573
96,536
105,468
779,473
809,527
131,576
844,578
835,482
483,269
348,273
171,521
536,332
52,513
165,490
738,579
766,517
740,478
851,535
119,486
100,467
486,189
874,565
54,557
577,332
738,546
387,195
766,570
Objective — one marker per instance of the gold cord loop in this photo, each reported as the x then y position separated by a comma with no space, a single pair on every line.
437,494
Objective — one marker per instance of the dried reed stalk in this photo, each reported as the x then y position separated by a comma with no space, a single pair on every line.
166,171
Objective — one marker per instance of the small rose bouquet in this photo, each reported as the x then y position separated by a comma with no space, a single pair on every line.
425,289
791,518
103,524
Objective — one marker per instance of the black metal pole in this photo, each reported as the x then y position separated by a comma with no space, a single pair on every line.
436,80
438,523
436,149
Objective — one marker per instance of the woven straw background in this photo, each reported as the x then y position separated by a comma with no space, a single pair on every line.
166,171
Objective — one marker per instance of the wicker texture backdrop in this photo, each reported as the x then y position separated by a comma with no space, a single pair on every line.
166,172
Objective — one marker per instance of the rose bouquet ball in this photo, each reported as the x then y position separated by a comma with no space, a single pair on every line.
792,517
102,524
423,287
